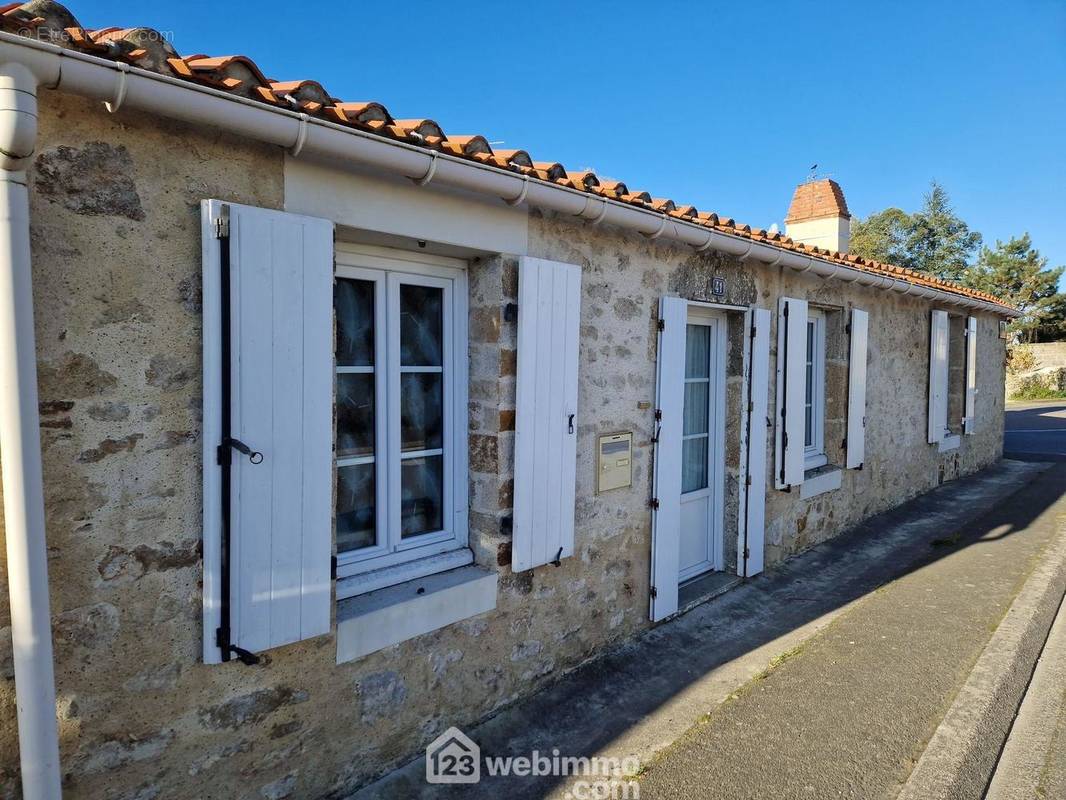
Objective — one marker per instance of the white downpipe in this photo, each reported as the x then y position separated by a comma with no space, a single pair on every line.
20,448
165,96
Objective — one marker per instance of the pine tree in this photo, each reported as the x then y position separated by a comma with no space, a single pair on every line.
934,239
939,241
1018,273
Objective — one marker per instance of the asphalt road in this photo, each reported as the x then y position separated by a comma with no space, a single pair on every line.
1036,431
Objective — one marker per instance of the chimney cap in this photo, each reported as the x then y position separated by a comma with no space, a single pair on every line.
817,200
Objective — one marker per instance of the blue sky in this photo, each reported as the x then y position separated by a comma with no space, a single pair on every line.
721,105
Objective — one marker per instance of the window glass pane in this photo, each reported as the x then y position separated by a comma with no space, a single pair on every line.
355,414
697,351
421,495
694,464
421,325
353,302
808,411
355,507
696,408
421,410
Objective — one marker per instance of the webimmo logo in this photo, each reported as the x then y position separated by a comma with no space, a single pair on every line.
453,757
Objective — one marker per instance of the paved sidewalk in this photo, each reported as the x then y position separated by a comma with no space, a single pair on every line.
645,696
850,713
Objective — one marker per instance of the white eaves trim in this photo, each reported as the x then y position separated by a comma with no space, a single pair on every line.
120,85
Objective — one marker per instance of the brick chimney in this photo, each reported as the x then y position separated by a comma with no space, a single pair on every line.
819,215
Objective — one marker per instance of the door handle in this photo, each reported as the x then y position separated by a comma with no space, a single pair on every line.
570,424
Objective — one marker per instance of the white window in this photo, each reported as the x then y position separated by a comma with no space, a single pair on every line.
400,410
814,397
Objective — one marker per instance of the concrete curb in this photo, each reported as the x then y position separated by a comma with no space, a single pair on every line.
959,760
1025,755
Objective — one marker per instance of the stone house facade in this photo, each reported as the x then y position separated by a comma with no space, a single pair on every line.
528,349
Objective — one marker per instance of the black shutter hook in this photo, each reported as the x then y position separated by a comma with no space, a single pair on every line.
253,455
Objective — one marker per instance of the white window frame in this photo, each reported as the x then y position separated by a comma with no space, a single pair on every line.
392,559
814,455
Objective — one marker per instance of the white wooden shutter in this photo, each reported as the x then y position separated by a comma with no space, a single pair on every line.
938,376
670,404
856,435
791,391
752,537
549,311
969,423
281,373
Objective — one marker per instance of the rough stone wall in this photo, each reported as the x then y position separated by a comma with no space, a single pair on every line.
116,238
624,276
116,241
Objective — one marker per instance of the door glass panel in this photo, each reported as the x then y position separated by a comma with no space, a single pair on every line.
355,414
353,302
355,507
697,351
421,410
697,395
694,464
421,325
421,495
808,423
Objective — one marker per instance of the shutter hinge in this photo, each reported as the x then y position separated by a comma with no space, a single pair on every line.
747,553
333,568
246,657
662,325
654,503
221,224
653,592
844,443
510,312
847,329
747,480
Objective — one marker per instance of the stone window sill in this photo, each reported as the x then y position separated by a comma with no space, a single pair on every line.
365,582
821,480
950,442
378,619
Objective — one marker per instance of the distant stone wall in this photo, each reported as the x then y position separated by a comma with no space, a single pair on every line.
1049,354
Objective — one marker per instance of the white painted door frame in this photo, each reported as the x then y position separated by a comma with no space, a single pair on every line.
714,492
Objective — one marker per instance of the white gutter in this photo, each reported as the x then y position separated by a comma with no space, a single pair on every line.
120,85
20,447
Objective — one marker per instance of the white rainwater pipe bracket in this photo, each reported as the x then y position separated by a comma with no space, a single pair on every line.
20,447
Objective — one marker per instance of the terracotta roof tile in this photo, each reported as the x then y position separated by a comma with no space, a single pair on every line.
240,76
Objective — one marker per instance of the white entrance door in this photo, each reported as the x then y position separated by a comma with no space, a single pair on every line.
702,450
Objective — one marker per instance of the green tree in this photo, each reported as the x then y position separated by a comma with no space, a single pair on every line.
939,241
1018,273
934,239
882,236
